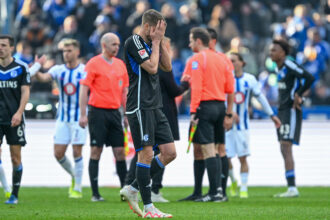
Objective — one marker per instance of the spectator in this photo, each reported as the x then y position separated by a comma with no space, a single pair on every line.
57,11
136,17
168,12
86,11
24,52
225,26
102,24
36,34
298,25
70,30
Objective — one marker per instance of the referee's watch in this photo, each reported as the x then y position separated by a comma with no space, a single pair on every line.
229,115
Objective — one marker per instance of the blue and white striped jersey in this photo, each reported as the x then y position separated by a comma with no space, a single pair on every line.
68,82
244,86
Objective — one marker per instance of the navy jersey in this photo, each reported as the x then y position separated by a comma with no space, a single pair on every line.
12,77
144,88
292,79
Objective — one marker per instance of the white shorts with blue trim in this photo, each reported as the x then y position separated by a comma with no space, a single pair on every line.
237,143
69,132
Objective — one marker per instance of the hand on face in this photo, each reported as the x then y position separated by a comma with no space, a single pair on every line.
157,33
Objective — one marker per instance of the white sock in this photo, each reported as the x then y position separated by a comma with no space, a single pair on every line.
231,175
3,179
78,171
244,181
66,164
293,188
148,206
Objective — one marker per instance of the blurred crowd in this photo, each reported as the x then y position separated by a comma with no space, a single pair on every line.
244,26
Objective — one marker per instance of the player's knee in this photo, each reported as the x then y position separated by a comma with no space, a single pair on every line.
96,153
119,154
58,154
16,160
171,155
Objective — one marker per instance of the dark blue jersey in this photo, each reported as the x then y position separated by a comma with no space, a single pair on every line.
292,79
12,77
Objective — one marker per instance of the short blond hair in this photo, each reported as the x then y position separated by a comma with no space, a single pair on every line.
69,42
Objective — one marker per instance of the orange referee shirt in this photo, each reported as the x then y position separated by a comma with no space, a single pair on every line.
106,82
211,77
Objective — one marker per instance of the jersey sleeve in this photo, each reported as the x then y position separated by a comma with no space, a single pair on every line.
53,72
230,81
136,50
26,76
305,77
195,67
256,87
90,75
126,79
256,91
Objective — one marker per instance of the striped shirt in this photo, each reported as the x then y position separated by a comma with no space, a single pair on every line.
244,86
68,82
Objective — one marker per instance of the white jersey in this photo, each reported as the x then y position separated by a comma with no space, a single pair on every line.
68,82
244,86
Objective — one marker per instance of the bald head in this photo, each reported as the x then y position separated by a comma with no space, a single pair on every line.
110,44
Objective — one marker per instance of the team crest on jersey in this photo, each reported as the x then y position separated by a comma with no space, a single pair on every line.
194,65
146,137
13,73
143,53
239,98
70,89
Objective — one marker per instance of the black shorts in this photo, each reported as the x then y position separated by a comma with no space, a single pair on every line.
210,128
291,125
149,128
105,127
14,135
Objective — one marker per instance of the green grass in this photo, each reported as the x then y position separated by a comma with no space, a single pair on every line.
53,203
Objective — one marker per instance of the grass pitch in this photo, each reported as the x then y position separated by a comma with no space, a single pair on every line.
53,203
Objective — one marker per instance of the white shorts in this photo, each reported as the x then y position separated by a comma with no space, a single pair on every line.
237,143
69,132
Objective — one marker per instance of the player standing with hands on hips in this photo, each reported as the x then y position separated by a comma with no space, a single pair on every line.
293,82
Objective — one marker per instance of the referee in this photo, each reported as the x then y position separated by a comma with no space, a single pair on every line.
107,81
14,94
211,80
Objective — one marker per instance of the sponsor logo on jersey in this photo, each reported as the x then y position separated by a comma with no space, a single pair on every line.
239,98
281,85
8,84
70,89
143,53
194,65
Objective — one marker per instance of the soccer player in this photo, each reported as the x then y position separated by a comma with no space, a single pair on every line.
237,139
107,81
14,94
293,81
169,90
67,130
149,126
211,80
